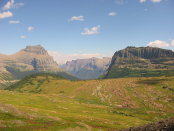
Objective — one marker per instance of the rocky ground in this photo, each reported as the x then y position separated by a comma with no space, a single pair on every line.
164,125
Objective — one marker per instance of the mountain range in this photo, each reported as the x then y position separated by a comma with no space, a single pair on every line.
87,68
37,94
128,62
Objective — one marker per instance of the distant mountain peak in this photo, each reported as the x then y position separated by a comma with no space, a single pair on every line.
90,68
38,49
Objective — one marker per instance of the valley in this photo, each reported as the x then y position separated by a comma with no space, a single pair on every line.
133,89
49,102
86,65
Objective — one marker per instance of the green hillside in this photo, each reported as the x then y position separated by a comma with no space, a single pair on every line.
50,102
132,72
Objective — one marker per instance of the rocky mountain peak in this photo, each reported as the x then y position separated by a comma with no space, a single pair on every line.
144,52
38,49
141,61
90,68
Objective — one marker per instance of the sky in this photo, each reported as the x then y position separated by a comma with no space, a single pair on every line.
85,27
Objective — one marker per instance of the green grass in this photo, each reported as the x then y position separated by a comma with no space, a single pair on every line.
127,72
63,113
48,102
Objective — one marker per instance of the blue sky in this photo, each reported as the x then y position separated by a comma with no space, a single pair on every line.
86,26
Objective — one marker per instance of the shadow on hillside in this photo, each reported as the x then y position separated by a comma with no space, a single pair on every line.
151,81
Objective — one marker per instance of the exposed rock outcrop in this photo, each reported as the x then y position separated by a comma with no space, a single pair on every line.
164,125
32,59
137,59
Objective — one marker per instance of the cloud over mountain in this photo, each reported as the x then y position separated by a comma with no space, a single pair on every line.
159,43
61,58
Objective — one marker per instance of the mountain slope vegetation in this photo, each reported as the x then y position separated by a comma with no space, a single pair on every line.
109,104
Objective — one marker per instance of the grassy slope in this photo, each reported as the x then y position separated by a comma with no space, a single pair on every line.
127,72
12,75
49,102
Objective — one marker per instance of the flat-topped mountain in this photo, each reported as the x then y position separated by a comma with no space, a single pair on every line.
38,49
32,59
144,52
90,68
37,57
142,61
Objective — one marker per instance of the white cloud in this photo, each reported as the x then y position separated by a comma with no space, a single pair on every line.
141,1
112,14
92,31
158,43
17,5
23,37
154,1
6,14
61,58
14,22
30,28
172,43
8,5
77,18
11,4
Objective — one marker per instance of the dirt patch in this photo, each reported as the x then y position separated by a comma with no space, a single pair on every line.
164,125
7,108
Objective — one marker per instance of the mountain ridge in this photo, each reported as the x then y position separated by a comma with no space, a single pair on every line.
32,59
141,61
90,68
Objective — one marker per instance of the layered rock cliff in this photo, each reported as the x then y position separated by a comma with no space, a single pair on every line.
142,61
32,59
37,57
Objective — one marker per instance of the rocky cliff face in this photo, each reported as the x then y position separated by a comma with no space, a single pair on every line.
144,52
37,57
139,59
87,68
36,50
32,59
